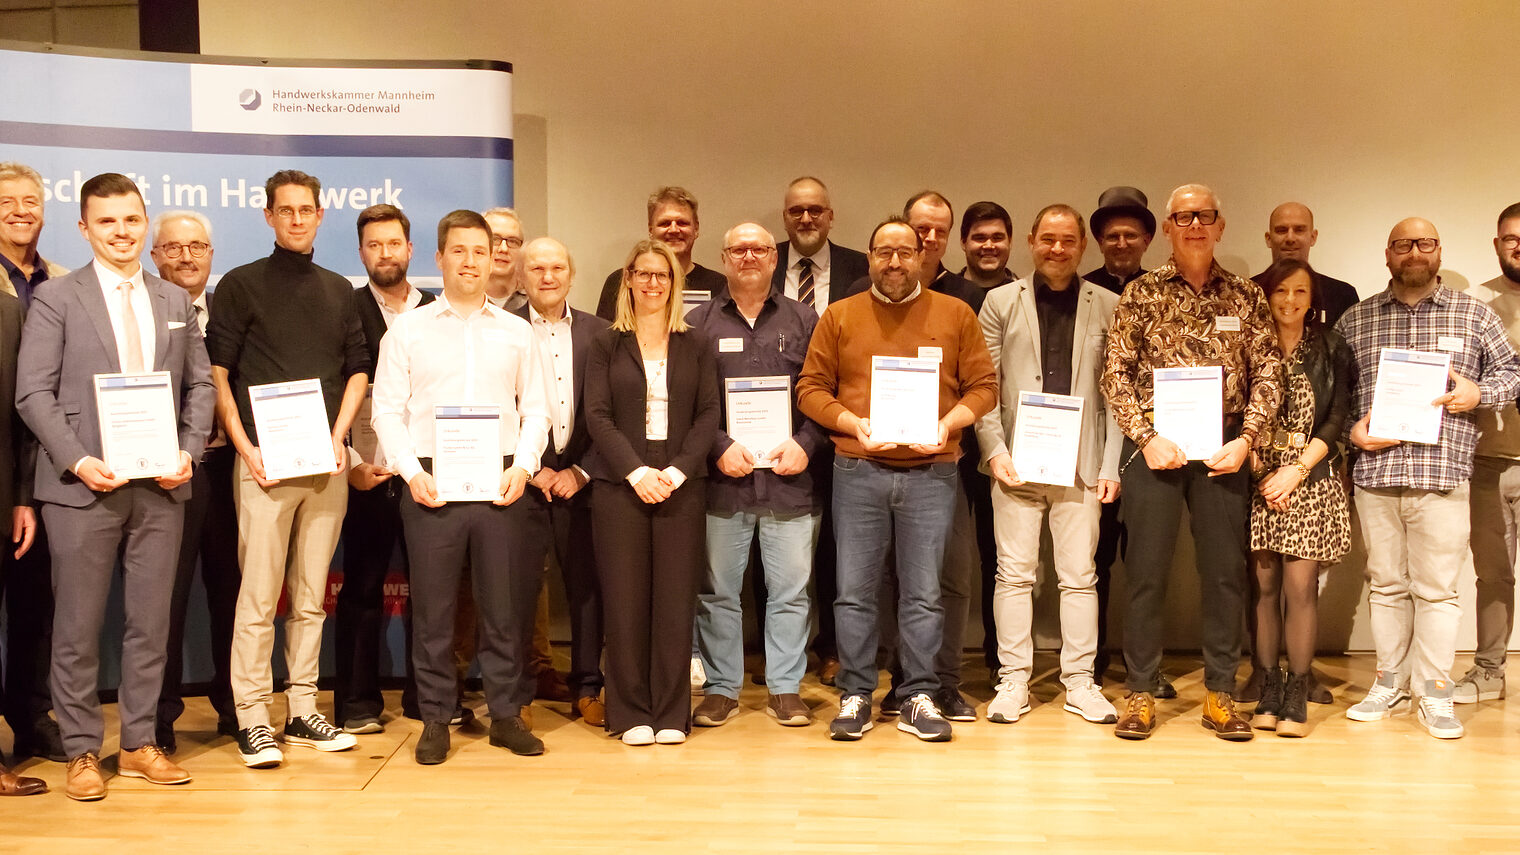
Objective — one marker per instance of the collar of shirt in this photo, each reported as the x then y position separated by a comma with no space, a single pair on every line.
1440,296
109,279
1064,297
413,299
820,259
204,315
1169,271
912,295
535,318
442,306
725,299
39,273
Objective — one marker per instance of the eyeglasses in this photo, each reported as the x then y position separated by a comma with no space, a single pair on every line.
511,242
887,253
749,251
197,249
1510,241
814,211
1403,246
644,276
1206,217
285,212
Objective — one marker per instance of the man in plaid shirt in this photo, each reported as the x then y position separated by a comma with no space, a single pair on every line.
1412,499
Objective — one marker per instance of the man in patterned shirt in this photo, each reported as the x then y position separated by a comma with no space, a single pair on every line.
1412,498
1189,312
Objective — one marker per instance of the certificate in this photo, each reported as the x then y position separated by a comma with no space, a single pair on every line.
692,299
139,435
467,452
1046,432
291,420
759,414
362,435
1407,381
1189,404
905,400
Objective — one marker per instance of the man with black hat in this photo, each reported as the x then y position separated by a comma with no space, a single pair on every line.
1124,227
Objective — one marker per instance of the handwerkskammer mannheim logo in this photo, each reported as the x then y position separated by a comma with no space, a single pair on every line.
249,99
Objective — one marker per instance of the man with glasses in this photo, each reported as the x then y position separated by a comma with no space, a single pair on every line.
280,319
1291,234
182,251
757,333
884,488
1412,498
1496,489
504,287
987,240
1189,312
672,219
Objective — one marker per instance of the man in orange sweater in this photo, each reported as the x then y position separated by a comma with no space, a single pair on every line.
881,488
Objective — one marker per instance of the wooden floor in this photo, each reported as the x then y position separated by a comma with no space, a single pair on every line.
1050,783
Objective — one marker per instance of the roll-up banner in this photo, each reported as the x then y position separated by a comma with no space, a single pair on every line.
204,133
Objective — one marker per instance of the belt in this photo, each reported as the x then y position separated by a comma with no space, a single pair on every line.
1282,440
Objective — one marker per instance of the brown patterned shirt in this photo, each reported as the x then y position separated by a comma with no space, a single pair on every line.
1162,322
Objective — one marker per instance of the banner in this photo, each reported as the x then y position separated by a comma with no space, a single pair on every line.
205,132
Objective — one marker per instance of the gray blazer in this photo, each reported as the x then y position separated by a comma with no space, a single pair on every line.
67,340
1012,329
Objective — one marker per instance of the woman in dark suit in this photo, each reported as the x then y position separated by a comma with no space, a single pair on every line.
651,399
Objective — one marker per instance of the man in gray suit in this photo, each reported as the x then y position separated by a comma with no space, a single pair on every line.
110,316
1046,335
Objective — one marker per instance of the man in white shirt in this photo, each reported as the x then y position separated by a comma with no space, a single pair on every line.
464,351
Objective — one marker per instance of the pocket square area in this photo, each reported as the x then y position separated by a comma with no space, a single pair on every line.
176,325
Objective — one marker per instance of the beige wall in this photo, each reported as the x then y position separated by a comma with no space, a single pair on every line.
1366,111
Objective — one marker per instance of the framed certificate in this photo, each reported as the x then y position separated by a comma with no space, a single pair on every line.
139,434
1407,382
1189,405
467,452
1046,432
759,414
905,400
291,419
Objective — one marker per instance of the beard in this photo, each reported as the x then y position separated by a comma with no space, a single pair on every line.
385,277
1510,269
1416,276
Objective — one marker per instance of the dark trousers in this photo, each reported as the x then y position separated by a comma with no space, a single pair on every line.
28,592
210,535
141,522
652,562
1219,509
825,577
495,542
567,528
1112,544
978,489
371,528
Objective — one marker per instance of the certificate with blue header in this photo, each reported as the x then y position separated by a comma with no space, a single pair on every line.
467,460
905,400
759,414
1189,408
139,435
1046,432
291,420
1407,382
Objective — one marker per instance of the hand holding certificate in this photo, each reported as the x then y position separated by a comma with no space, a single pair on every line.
1189,408
1046,433
905,400
1408,383
467,461
139,436
759,414
294,437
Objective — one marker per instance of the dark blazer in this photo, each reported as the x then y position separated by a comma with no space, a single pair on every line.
584,330
615,401
845,266
18,449
67,341
373,321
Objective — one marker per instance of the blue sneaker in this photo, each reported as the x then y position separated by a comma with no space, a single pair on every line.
921,718
854,718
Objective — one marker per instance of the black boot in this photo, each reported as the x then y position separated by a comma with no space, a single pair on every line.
1269,707
1294,714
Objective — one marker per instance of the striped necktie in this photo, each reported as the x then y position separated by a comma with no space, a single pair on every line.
805,281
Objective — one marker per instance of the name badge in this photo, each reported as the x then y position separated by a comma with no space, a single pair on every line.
730,345
934,353
1227,323
1450,343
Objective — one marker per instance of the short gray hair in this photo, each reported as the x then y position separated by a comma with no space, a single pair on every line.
769,238
10,170
1195,189
197,216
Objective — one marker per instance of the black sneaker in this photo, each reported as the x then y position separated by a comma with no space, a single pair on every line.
462,716
952,705
314,731
513,735
44,741
257,748
891,704
854,718
363,724
922,719
433,745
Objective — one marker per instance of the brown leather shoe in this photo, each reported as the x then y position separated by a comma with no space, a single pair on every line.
1139,717
551,687
1220,716
714,710
152,765
789,710
12,784
828,670
592,711
85,783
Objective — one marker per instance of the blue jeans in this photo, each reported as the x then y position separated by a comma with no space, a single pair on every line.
872,502
786,552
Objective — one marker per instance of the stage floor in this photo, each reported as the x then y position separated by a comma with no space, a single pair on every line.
1050,782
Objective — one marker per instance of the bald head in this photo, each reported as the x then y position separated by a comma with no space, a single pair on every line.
807,214
1413,255
749,259
548,271
1291,232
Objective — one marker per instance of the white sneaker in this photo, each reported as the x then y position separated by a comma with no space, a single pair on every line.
1479,684
698,675
1011,702
670,736
1436,712
1087,701
641,735
1383,699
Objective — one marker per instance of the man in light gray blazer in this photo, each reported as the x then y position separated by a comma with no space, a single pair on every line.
1047,334
107,317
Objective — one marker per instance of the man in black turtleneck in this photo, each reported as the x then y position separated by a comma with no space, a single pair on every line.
280,319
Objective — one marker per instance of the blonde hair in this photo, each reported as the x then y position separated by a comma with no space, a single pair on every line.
675,308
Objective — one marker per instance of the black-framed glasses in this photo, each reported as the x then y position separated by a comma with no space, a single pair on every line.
814,211
644,276
749,251
1206,217
197,249
511,242
1510,241
1403,246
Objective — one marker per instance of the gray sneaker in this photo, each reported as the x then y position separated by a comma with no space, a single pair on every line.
1479,684
1436,712
1382,700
